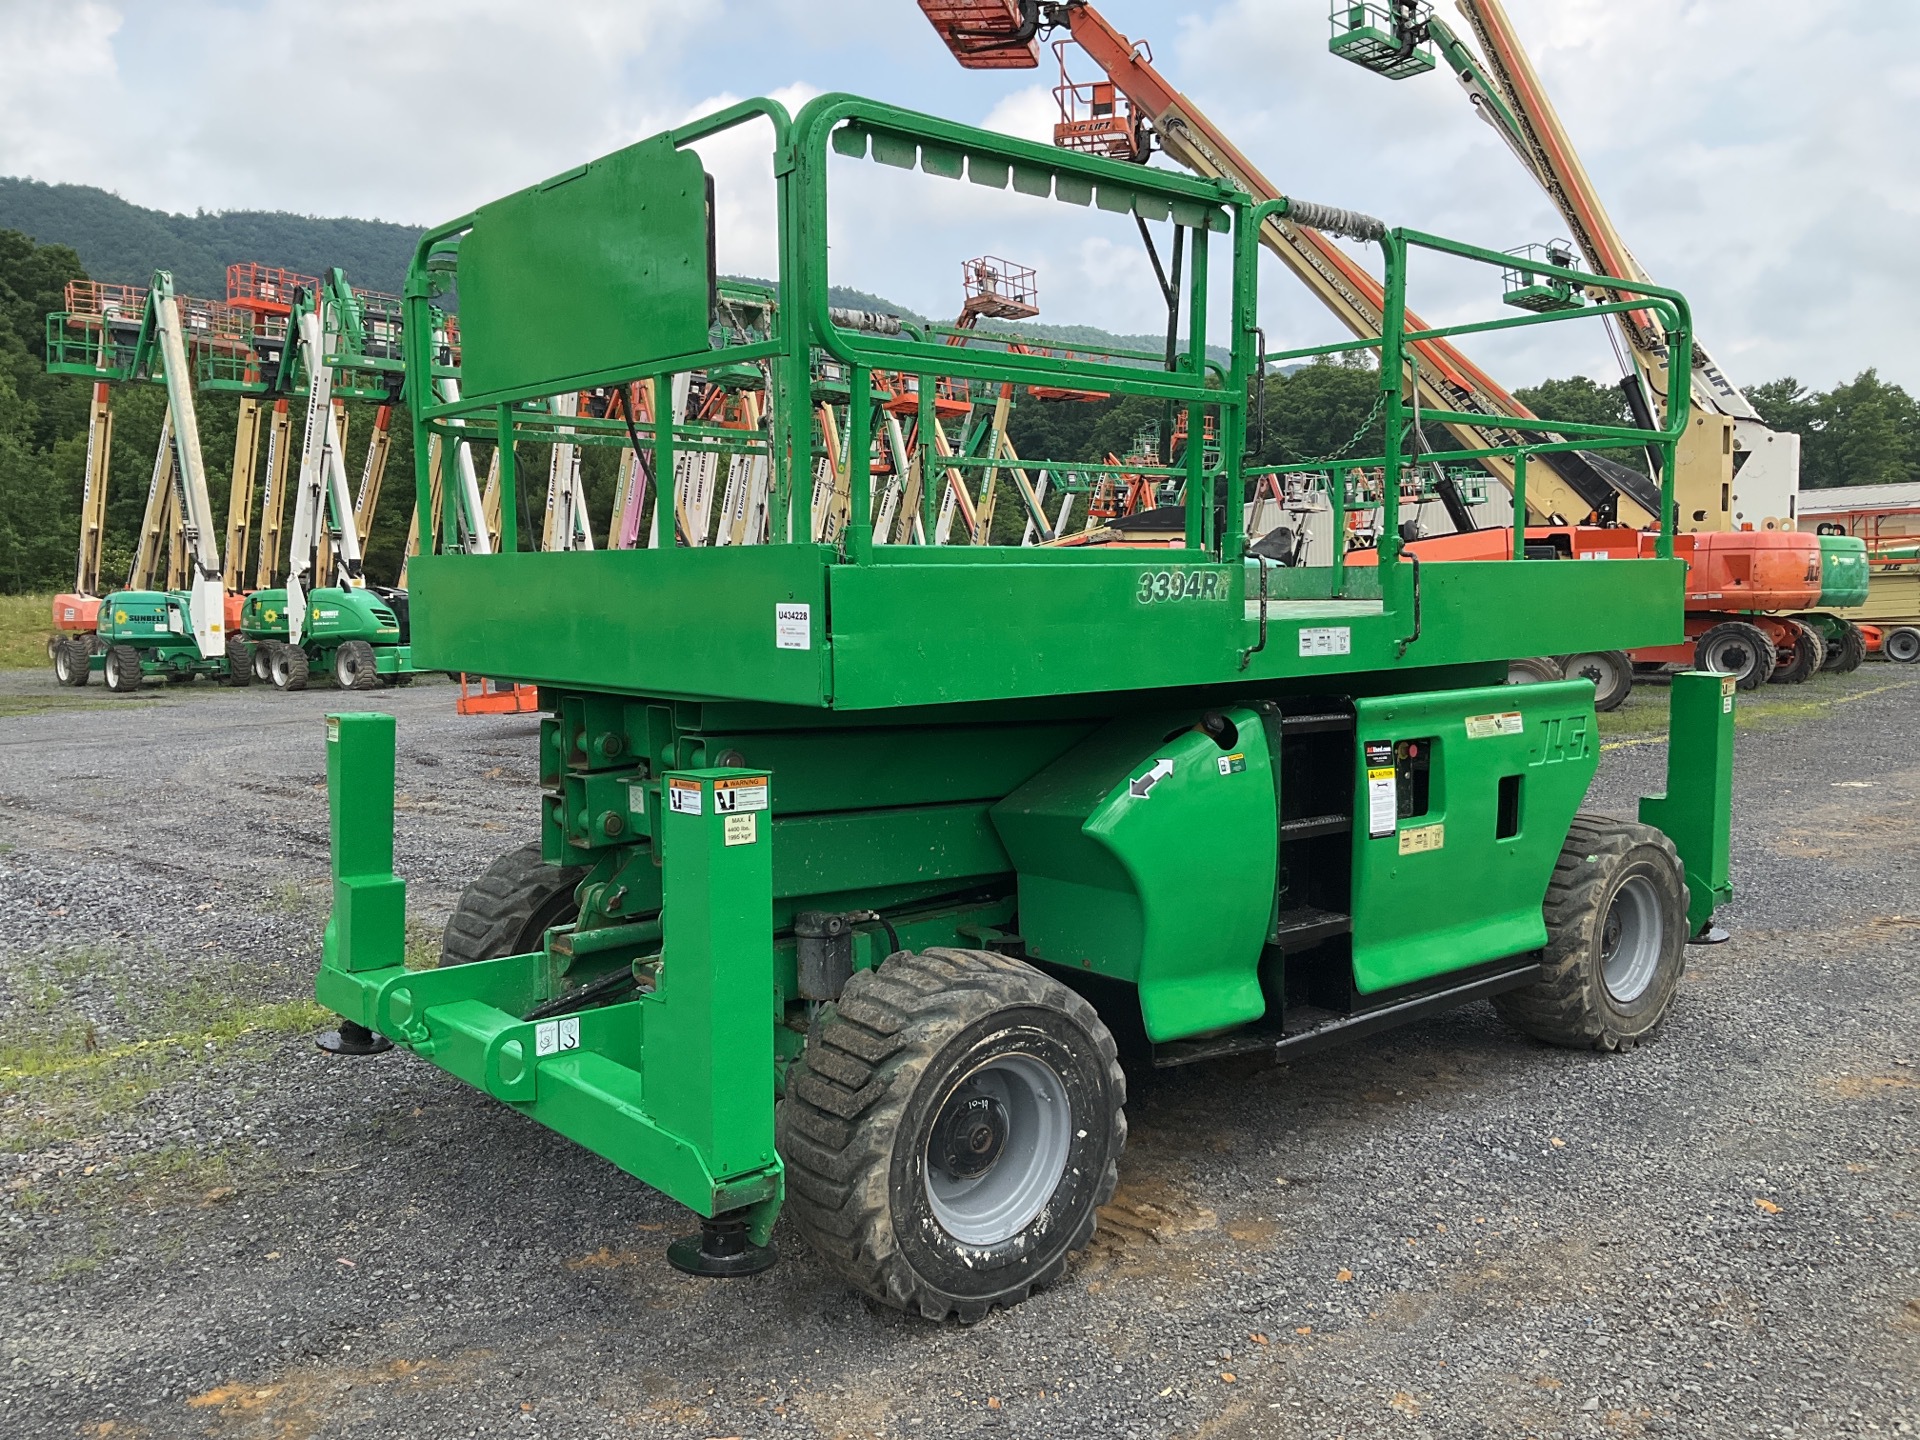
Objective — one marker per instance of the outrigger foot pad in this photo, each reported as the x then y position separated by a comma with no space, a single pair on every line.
352,1039
721,1250
1710,934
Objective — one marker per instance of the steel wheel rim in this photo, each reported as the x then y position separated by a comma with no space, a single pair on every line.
1631,938
1022,1149
1740,652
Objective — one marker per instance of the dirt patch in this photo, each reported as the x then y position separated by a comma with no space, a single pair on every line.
313,1399
1146,1213
1860,1087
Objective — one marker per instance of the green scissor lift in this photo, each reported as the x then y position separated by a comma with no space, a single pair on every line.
854,859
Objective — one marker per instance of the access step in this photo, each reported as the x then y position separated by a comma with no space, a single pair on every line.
1306,1028
1311,827
1306,926
1321,723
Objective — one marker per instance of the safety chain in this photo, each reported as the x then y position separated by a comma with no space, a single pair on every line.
1365,425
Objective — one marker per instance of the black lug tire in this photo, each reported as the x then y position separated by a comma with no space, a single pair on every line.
353,666
1743,647
72,661
1611,672
510,908
1901,644
1534,669
1802,662
861,1101
123,675
1570,1004
289,667
239,662
263,653
1845,655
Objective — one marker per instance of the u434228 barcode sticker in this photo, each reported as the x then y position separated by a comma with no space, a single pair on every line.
793,627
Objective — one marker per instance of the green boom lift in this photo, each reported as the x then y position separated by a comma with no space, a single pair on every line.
338,623
175,634
855,857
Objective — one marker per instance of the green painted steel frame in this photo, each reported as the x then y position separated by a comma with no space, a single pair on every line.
674,1087
911,689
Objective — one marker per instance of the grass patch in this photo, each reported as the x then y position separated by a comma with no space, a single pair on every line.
25,623
1645,712
291,897
59,701
422,949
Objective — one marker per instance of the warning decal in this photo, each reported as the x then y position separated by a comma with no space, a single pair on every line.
1507,722
740,795
683,797
1234,764
1382,807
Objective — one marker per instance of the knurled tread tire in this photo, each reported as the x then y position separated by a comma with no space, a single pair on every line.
1612,675
1803,661
290,670
353,666
510,907
1846,655
72,661
239,663
123,675
1569,1004
877,1066
1752,638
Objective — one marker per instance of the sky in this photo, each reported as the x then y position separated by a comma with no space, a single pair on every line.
1760,155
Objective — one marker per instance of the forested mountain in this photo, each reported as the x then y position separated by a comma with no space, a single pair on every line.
117,240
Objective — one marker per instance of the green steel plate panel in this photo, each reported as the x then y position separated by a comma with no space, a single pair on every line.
604,267
1150,857
874,766
1843,571
657,622
1437,890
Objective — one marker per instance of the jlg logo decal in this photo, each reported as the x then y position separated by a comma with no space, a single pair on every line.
1564,738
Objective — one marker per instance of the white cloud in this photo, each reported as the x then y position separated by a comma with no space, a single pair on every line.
1756,153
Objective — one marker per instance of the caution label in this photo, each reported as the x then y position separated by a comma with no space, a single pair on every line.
1507,722
683,797
1418,839
1234,764
1382,816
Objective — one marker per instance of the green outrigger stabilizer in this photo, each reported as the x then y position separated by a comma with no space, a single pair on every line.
854,859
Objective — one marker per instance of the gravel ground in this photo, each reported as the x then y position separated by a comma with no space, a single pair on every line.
213,1229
